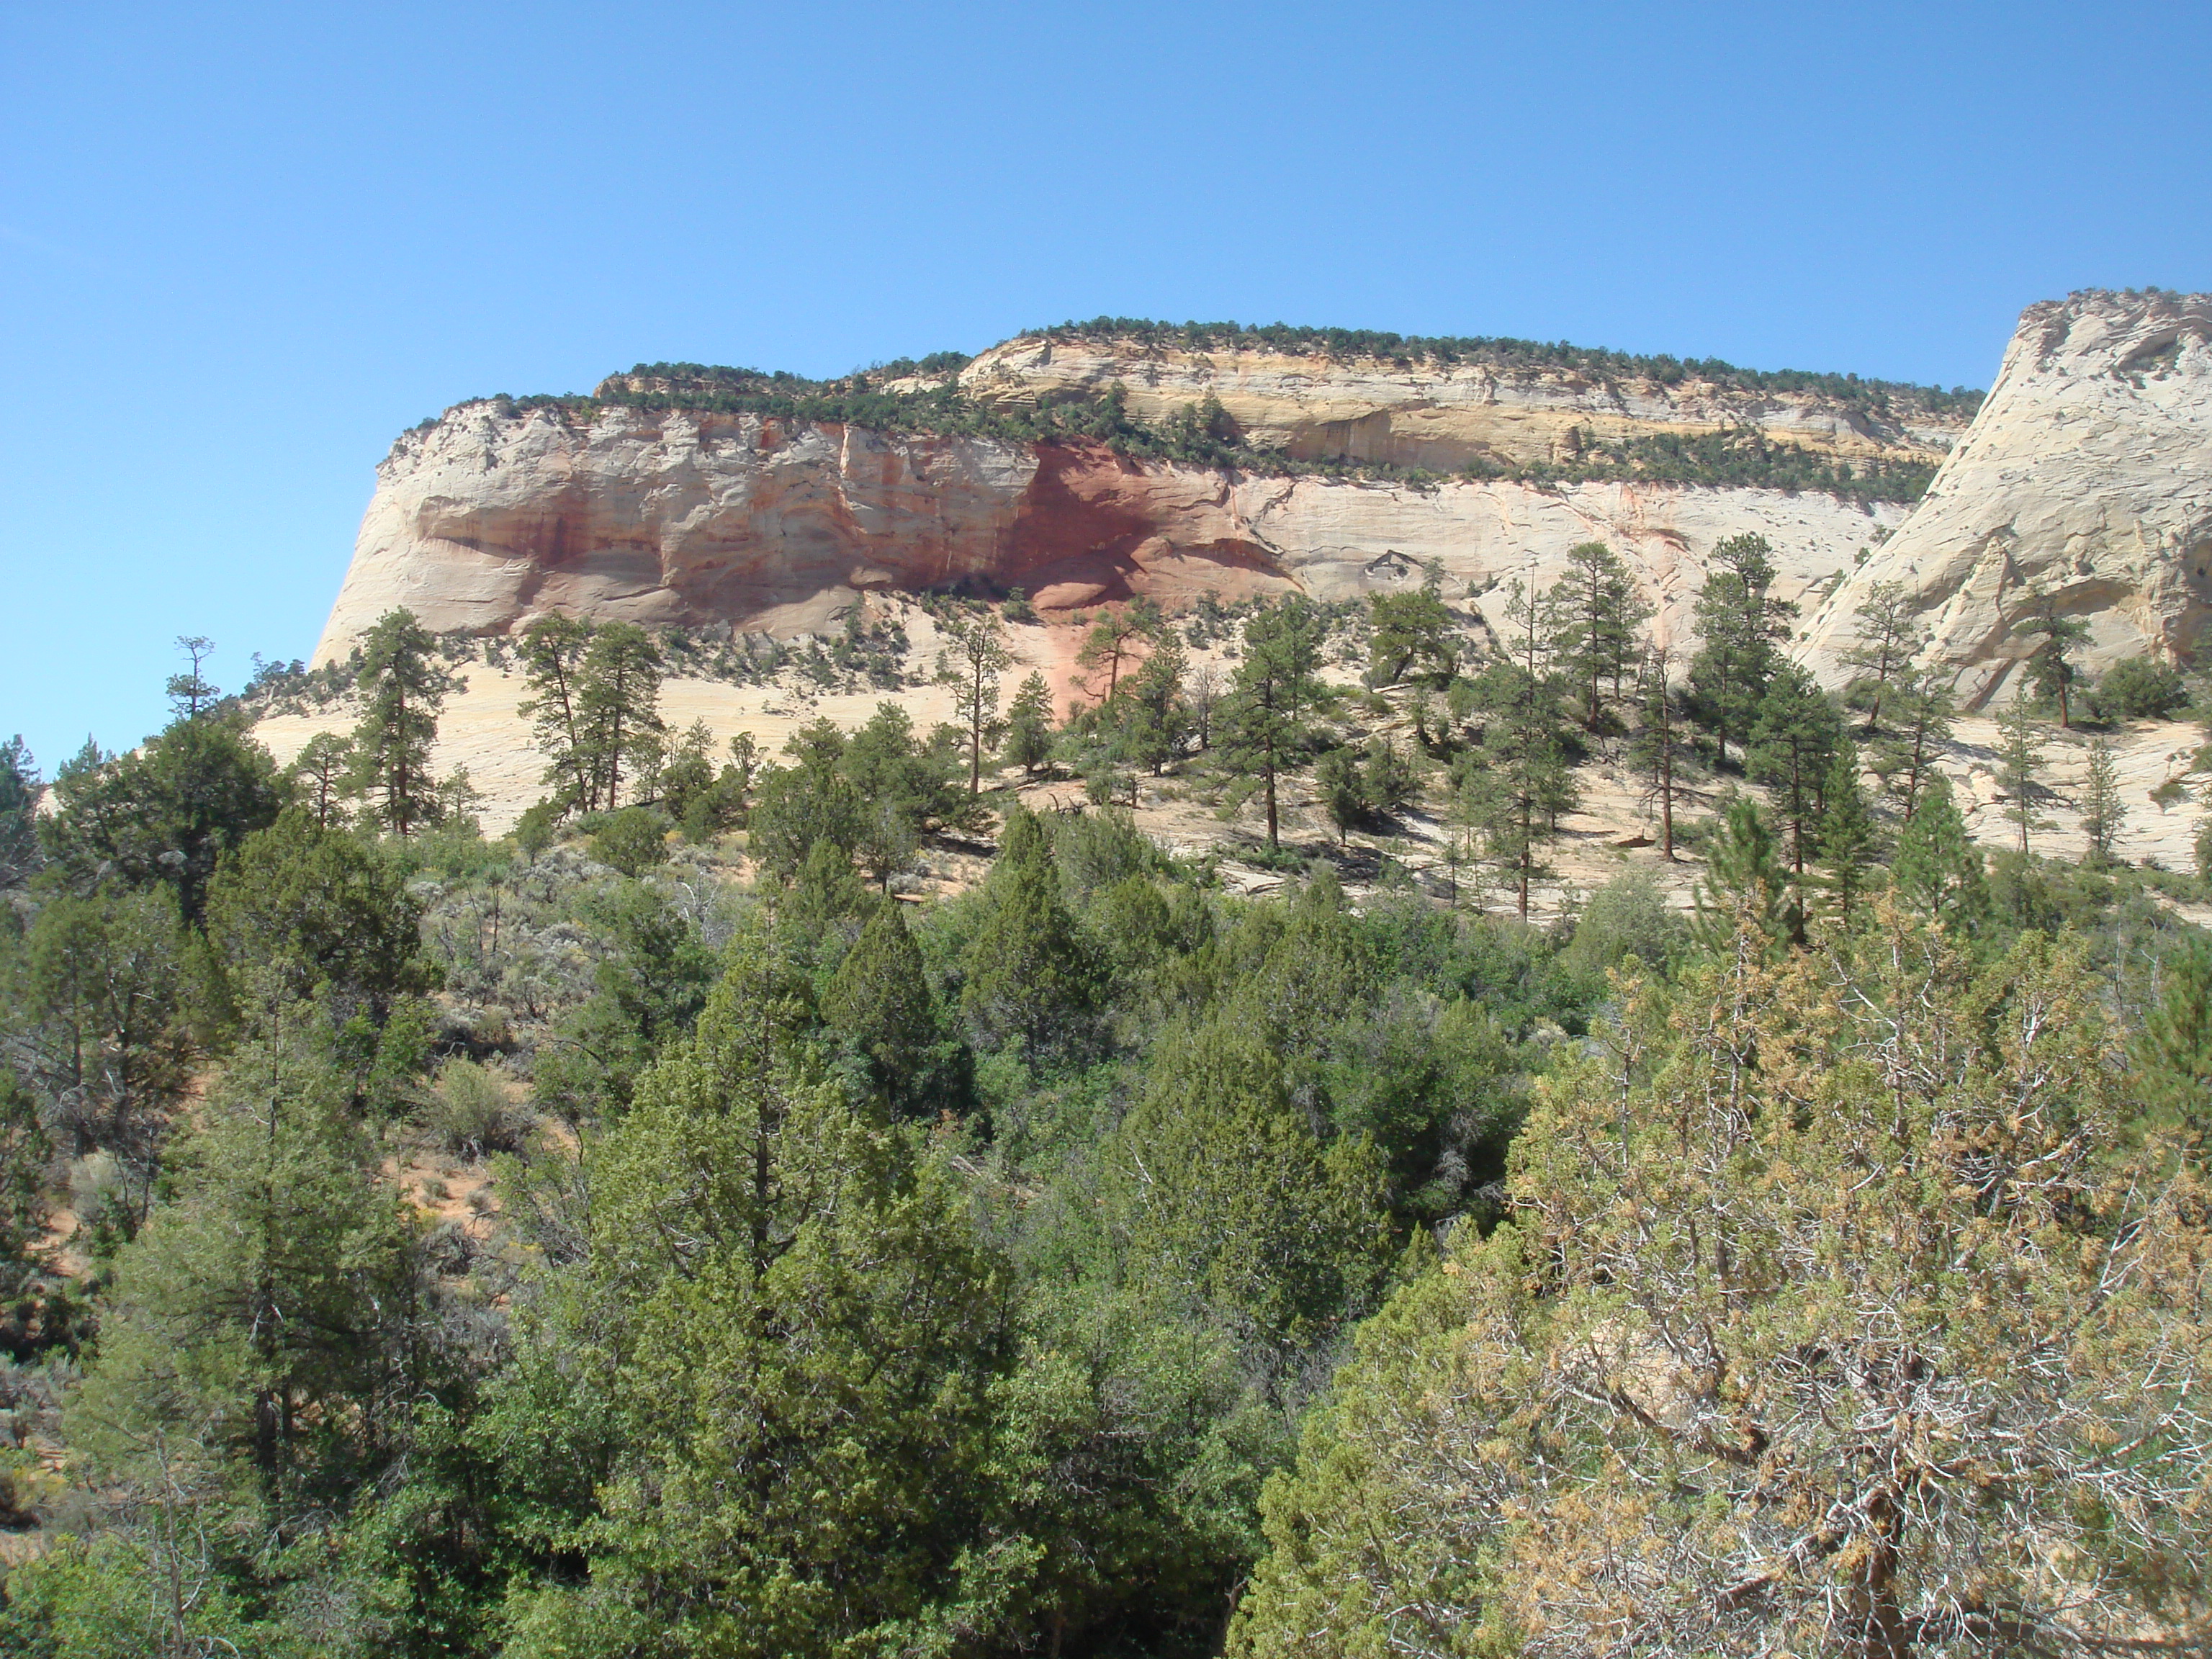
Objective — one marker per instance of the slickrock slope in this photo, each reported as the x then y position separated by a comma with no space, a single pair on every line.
2088,472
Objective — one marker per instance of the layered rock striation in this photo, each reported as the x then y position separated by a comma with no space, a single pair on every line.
753,521
2085,476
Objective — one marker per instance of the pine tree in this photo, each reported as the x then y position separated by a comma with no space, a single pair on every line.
1658,746
1887,640
1114,639
1029,725
1265,723
1780,1212
1032,982
2051,666
779,1355
618,705
1337,783
880,1001
974,657
97,1029
1793,744
1601,612
263,1307
2104,811
552,649
1848,837
1154,720
403,686
190,693
22,790
1515,787
2172,1054
1741,628
1923,709
1744,883
319,774
1410,630
2020,766
1938,869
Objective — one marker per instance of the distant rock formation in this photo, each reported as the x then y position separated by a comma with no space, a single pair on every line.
754,522
2087,473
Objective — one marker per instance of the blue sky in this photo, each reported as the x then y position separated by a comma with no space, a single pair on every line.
242,246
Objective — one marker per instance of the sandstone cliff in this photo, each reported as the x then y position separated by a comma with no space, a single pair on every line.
1443,415
755,522
2087,473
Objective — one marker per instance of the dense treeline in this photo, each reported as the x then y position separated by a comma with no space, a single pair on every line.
1088,1261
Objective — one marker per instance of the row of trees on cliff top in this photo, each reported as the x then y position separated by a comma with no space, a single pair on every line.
563,1248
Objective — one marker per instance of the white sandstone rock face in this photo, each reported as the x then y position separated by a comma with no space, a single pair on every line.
2087,473
484,520
1437,415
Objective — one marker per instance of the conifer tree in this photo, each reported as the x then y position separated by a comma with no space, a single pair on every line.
617,698
403,686
1114,639
1938,870
1782,1212
190,693
1600,613
1266,720
2104,811
1336,782
263,1307
1744,884
1881,652
974,657
1658,746
1410,630
2051,666
319,774
1032,982
20,791
1848,837
2172,1053
1793,744
2020,766
1922,708
553,648
1029,724
1154,720
880,1001
779,1351
1516,785
1741,628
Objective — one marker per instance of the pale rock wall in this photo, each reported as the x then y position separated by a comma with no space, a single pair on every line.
1439,417
2088,472
484,520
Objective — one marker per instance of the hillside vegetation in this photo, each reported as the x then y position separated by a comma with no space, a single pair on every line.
674,1229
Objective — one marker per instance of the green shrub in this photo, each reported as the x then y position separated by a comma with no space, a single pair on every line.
2141,689
470,1113
632,841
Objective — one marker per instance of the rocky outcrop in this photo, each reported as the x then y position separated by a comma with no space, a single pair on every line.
484,519
2087,474
1440,416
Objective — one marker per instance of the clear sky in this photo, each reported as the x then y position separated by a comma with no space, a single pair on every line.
242,246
